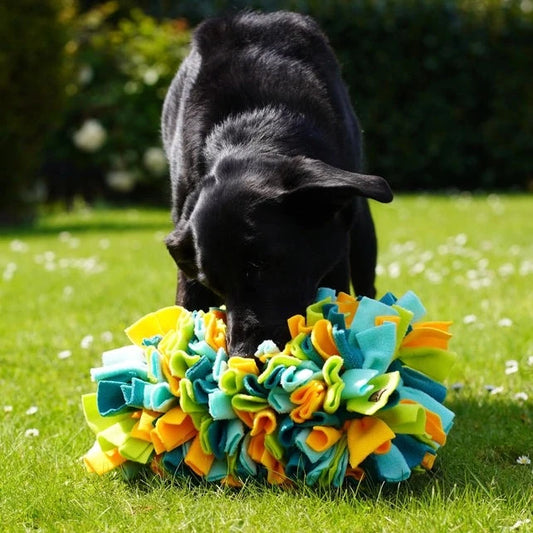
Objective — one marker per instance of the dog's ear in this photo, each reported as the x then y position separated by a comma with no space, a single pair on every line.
180,244
317,183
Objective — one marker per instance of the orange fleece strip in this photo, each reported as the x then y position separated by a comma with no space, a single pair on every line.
365,436
322,438
172,429
309,399
197,460
322,339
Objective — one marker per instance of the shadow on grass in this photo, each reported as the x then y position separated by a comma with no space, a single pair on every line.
490,433
94,221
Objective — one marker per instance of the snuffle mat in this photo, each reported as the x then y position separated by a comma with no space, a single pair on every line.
357,391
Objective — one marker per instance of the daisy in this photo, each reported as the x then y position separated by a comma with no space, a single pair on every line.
86,342
469,319
511,367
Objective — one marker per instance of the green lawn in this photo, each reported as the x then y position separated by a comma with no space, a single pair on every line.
72,284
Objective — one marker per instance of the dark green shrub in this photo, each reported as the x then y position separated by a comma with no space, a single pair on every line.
442,88
31,95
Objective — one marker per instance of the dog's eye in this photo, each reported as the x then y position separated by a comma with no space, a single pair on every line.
258,265
255,270
189,268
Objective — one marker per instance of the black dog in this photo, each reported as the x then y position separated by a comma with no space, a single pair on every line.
264,150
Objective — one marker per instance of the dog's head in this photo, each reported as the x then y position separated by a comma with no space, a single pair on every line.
263,234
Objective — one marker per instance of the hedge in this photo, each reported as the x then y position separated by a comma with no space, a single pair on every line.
443,88
31,94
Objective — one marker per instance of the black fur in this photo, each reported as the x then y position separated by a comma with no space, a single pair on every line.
265,150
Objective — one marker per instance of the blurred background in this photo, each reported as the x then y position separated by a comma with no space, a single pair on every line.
443,90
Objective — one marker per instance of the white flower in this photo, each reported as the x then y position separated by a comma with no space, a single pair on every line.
120,180
8,408
32,432
461,239
523,460
511,367
155,161
9,271
90,137
417,268
483,263
492,389
85,74
68,291
530,360
505,322
394,270
521,396
64,236
32,410
107,336
86,342
64,354
151,76
519,523
18,246
469,319
526,267
506,270
527,7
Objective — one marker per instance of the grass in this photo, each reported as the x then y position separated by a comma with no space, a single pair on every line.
69,287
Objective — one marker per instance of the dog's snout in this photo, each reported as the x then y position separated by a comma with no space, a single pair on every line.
242,349
245,335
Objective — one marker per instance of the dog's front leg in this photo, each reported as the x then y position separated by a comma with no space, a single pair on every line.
363,252
339,276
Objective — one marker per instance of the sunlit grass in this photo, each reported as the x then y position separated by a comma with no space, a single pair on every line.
70,286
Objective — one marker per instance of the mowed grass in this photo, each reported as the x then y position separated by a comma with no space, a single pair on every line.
71,285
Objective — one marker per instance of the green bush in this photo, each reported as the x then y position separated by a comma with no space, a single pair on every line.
443,88
31,79
110,137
